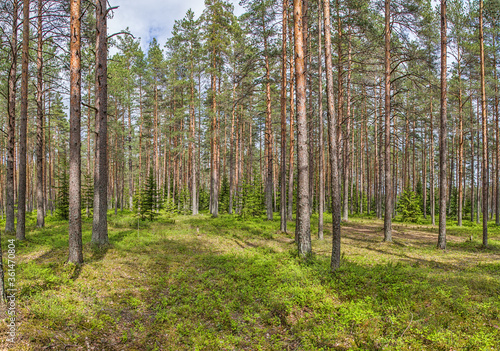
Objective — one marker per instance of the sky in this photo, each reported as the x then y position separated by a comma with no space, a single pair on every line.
150,19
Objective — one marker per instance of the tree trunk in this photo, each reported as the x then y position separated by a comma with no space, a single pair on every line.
332,141
194,190
268,138
484,129
214,178
303,226
387,147
442,135
130,162
100,221
232,149
292,137
424,171
23,124
497,132
377,188
320,120
460,142
283,213
40,213
11,127
75,214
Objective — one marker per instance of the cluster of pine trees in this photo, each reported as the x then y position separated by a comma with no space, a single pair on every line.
292,107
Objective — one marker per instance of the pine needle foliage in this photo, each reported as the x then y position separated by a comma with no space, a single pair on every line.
148,202
409,206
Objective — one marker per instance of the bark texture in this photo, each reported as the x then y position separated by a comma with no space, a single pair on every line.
387,146
303,227
332,140
100,221
443,131
23,126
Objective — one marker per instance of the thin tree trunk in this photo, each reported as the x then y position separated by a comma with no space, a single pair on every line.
40,214
23,124
497,132
268,137
377,188
443,132
283,213
232,149
75,214
292,137
332,138
320,119
460,142
194,190
100,221
485,168
11,126
424,171
214,179
130,162
387,148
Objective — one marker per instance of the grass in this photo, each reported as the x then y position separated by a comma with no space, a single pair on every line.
197,283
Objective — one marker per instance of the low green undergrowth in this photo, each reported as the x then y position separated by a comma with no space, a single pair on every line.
201,283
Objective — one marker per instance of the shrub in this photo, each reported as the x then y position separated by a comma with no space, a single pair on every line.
409,206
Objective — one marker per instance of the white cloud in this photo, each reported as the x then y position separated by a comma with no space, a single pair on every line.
150,19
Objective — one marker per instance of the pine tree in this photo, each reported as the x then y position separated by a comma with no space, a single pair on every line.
409,206
148,203
62,198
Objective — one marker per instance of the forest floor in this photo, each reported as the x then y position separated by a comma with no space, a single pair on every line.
197,283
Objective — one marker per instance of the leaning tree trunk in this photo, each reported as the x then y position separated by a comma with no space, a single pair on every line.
75,213
100,221
442,135
332,141
23,125
11,126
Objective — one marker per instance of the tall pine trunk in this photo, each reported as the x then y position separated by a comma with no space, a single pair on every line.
443,131
283,213
387,146
303,227
497,132
11,126
194,190
321,171
332,141
100,221
23,125
292,136
40,212
75,214
484,129
460,142
268,137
